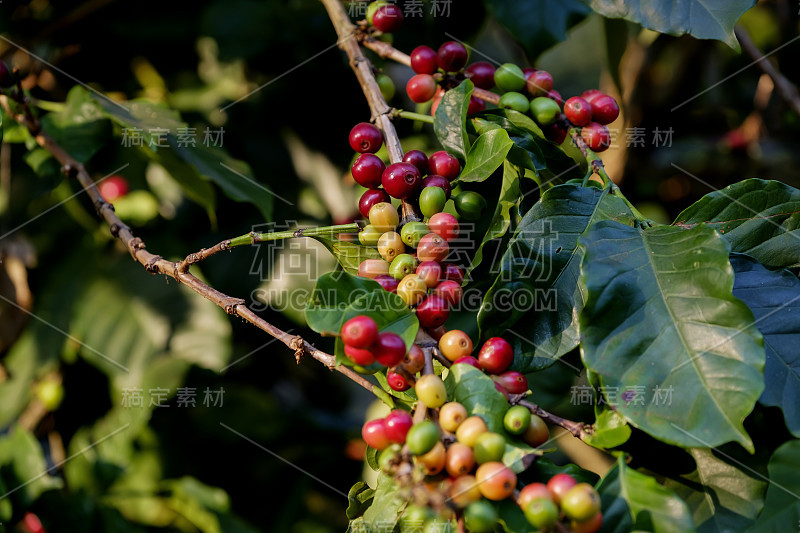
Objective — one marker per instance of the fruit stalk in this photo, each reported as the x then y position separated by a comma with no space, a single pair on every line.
578,429
381,111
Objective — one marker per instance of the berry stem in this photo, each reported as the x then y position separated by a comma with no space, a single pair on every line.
410,115
381,112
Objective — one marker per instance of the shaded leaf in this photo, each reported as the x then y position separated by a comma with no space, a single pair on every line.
632,500
450,120
774,299
782,506
386,505
660,316
759,218
704,19
349,255
332,294
360,497
537,291
80,127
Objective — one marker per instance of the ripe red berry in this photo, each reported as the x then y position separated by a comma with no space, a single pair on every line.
452,56
578,111
360,356
360,332
476,105
388,18
370,198
396,425
468,360
388,282
450,291
436,99
513,381
390,349
540,83
418,159
604,109
481,74
445,225
435,180
437,333
559,484
365,138
367,170
596,136
430,272
113,187
453,272
555,133
421,88
432,247
401,180
423,60
397,381
496,355
444,164
414,360
6,78
374,434
555,95
590,94
432,312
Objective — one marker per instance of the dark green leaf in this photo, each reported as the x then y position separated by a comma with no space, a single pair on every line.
721,496
544,469
332,294
660,317
781,512
348,254
704,19
774,299
388,310
501,219
759,218
23,469
610,430
486,155
632,500
80,128
537,24
450,120
540,272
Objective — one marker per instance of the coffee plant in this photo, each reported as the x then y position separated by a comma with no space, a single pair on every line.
474,269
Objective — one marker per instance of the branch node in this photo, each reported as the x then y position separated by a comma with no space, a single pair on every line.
231,304
152,264
115,229
299,347
70,170
136,244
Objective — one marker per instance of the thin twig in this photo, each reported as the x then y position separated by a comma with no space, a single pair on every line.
155,264
786,88
576,428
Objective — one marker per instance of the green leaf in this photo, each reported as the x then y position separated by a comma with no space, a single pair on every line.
704,19
332,294
80,128
360,498
537,24
782,506
759,218
388,310
486,155
774,299
189,164
632,500
450,120
386,505
23,469
349,255
501,219
660,317
407,397
721,496
610,430
540,272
